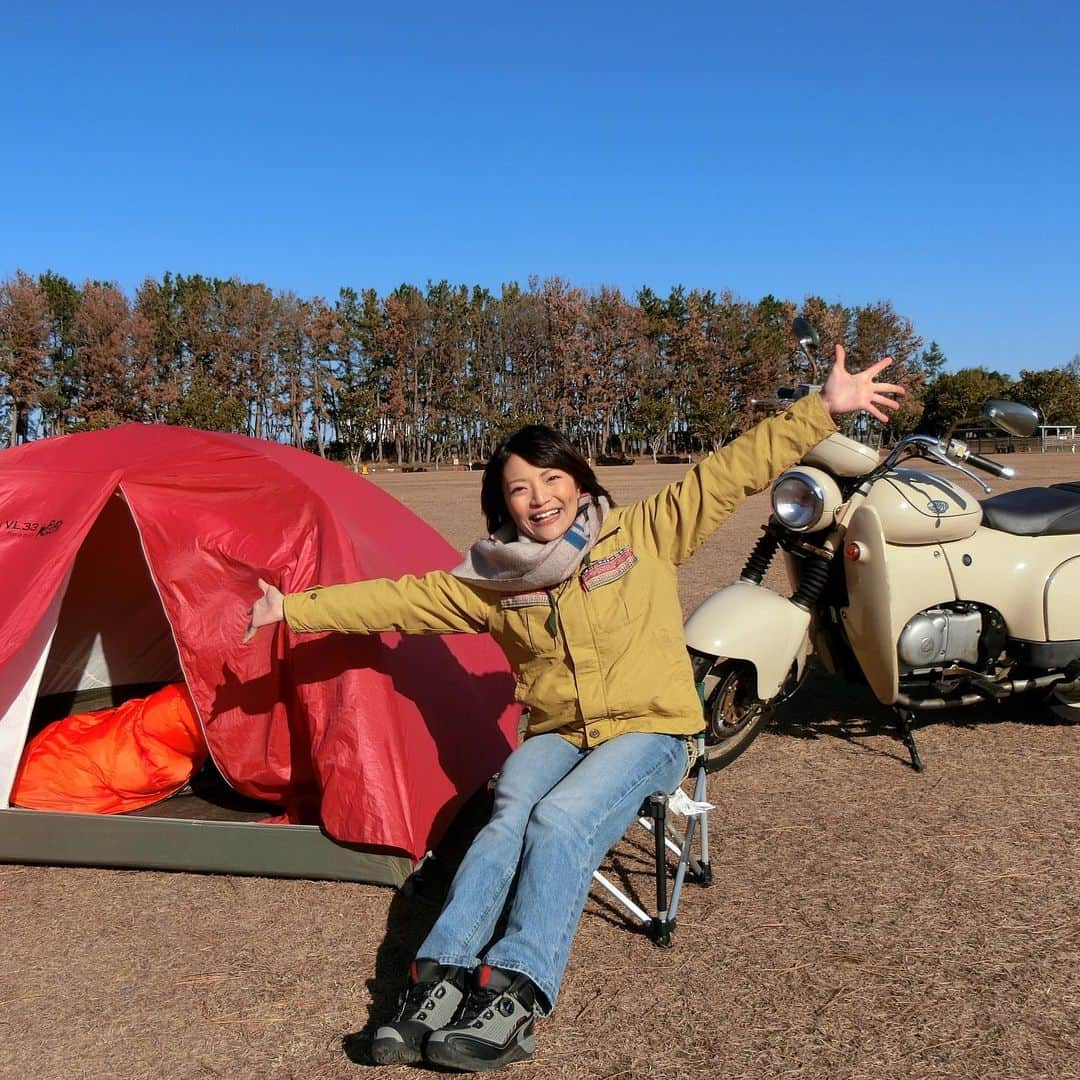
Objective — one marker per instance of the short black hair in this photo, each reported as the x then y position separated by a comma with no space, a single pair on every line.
543,447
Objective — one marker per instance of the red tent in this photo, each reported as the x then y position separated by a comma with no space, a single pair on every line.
131,556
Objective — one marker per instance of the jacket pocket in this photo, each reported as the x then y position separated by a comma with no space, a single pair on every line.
527,617
616,598
608,570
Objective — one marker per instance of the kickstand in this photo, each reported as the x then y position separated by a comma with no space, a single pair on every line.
903,723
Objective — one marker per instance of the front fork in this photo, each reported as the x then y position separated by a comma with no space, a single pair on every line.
813,567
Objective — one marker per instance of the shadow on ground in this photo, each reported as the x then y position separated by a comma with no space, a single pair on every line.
826,706
412,913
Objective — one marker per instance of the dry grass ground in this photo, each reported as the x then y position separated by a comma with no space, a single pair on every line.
865,922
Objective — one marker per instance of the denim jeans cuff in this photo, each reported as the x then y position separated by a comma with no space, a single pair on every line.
470,963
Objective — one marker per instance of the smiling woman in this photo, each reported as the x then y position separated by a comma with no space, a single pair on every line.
535,478
542,502
582,597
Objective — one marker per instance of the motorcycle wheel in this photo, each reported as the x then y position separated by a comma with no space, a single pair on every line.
1064,705
734,714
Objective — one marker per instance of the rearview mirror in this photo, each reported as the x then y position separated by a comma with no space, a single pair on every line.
805,332
1011,416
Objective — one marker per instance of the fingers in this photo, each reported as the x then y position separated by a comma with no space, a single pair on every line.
840,357
878,365
870,370
253,623
878,401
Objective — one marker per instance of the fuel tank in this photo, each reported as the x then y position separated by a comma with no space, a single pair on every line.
917,507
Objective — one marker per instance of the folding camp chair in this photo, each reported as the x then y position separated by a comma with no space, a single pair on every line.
653,815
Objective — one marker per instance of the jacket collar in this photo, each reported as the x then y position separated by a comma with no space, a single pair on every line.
612,524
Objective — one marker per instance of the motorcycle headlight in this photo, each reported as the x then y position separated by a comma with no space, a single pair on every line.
803,499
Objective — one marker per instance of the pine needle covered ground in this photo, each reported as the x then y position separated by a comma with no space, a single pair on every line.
865,921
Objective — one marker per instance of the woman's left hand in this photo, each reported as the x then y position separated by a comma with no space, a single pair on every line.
267,610
845,392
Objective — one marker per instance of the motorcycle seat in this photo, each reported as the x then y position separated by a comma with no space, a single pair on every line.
1036,511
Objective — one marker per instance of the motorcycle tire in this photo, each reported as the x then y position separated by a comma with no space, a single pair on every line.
1064,705
734,714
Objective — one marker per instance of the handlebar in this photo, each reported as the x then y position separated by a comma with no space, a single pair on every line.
957,449
948,452
990,466
793,393
785,396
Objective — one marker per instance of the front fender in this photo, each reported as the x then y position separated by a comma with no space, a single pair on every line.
749,622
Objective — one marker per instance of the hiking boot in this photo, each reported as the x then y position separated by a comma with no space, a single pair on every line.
429,1001
493,1028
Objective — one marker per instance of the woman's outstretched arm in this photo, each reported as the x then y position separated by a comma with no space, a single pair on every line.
674,521
436,603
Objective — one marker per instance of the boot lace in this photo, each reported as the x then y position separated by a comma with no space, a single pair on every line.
418,996
479,1002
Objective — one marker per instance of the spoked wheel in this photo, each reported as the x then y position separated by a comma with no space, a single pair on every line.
734,714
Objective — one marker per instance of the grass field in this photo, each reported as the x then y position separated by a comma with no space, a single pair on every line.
865,921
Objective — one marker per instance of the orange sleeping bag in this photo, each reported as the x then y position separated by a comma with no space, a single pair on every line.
112,760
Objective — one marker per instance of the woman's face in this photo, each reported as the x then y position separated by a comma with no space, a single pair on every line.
542,501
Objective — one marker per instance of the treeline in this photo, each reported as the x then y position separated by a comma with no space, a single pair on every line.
427,375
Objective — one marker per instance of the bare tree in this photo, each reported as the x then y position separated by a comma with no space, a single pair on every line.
24,344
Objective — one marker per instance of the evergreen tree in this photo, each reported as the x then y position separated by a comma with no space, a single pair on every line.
1054,393
960,396
930,363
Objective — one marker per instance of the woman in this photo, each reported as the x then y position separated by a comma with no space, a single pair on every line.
582,598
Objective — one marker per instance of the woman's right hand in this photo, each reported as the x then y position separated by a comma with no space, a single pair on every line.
845,392
267,610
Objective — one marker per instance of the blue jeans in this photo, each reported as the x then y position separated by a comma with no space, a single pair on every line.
558,810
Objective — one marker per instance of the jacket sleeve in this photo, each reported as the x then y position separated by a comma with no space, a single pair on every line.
436,603
673,522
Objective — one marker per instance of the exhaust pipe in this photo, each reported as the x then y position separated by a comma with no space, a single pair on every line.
1009,687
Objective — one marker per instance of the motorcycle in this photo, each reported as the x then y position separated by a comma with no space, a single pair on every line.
901,580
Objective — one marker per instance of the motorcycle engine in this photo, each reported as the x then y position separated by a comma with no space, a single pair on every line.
940,636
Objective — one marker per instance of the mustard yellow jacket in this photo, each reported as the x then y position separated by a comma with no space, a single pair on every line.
617,662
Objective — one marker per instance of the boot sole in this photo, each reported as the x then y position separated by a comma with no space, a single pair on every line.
444,1054
392,1052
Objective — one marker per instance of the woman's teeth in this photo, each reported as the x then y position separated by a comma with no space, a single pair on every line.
540,518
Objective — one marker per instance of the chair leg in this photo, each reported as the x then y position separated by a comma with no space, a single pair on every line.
639,913
653,815
701,873
661,925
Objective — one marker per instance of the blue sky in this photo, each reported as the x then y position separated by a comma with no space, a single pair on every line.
925,153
